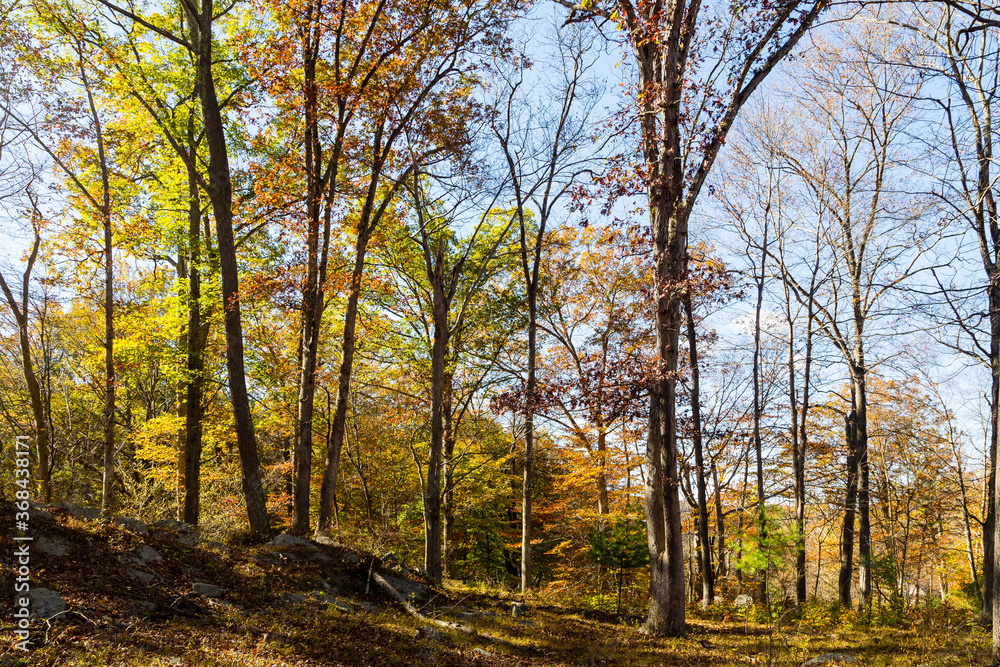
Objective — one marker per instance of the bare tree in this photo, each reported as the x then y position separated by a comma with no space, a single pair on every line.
676,103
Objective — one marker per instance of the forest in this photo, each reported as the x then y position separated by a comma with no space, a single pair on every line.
656,309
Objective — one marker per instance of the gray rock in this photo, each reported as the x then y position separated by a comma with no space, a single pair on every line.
320,558
293,598
330,601
467,615
267,558
145,577
524,621
53,545
828,658
482,652
223,604
148,554
411,590
78,512
46,603
276,639
173,525
187,539
38,511
353,559
430,634
518,609
368,608
207,590
326,541
286,541
132,525
743,600
216,546
491,614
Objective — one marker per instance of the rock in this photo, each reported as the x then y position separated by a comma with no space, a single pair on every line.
216,546
491,614
206,590
286,541
132,525
518,609
482,652
353,559
267,558
326,541
223,604
145,577
174,662
173,526
178,531
46,603
411,590
38,511
524,621
330,601
148,607
53,545
467,615
276,639
148,554
828,658
77,512
743,600
430,634
188,540
368,608
320,558
293,598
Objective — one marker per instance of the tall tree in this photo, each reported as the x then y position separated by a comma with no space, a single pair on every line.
684,118
544,163
411,119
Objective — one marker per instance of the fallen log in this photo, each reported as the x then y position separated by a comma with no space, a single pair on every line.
401,599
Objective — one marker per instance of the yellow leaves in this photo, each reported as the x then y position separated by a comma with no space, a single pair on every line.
156,443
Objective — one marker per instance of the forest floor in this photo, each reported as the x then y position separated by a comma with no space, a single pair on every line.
167,598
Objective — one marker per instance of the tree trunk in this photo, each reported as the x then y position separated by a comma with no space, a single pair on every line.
989,526
864,518
432,491
720,526
662,504
347,347
707,581
850,500
20,314
221,194
448,504
757,408
801,443
197,339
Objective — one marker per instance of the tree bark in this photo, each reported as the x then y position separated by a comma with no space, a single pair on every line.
221,195
707,573
197,339
757,408
850,501
20,314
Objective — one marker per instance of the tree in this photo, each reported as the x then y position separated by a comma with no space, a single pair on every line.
956,47
853,168
683,122
544,163
415,119
196,35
